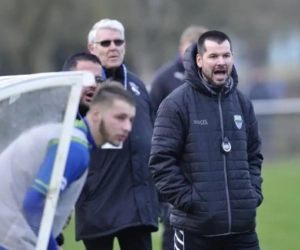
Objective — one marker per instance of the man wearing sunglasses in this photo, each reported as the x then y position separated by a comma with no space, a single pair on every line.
119,199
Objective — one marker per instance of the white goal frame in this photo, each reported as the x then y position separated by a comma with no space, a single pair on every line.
11,86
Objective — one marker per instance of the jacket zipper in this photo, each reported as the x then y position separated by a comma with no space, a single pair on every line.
224,163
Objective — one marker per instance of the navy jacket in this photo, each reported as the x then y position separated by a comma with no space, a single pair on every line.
168,78
120,192
213,192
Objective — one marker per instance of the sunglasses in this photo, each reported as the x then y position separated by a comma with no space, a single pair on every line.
107,43
99,79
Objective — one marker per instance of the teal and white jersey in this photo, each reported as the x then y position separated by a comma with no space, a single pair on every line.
25,167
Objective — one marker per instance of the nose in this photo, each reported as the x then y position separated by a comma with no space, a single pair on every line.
127,126
112,46
94,85
220,61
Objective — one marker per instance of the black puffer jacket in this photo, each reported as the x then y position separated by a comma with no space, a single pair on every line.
213,193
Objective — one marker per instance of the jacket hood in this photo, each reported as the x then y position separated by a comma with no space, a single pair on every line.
192,72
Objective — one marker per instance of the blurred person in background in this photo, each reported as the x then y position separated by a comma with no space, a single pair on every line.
206,153
168,78
171,75
119,199
260,88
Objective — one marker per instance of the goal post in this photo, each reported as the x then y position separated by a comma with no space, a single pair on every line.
15,86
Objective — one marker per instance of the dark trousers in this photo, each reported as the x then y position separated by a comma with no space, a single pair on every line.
135,238
188,241
168,236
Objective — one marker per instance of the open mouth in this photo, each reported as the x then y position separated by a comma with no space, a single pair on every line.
220,72
220,75
90,94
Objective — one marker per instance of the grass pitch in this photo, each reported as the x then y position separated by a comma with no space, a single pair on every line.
278,217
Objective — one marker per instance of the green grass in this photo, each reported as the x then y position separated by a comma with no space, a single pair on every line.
278,217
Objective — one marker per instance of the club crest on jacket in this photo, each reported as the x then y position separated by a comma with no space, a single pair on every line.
238,120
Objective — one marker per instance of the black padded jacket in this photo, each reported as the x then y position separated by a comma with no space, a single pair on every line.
213,192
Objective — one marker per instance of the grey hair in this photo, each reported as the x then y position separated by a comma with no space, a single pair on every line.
106,24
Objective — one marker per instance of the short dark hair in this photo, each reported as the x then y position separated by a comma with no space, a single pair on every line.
212,35
112,90
72,61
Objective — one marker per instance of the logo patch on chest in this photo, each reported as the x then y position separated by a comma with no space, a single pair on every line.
201,122
134,88
238,120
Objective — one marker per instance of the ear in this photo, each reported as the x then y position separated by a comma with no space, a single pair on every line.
90,47
95,113
183,47
181,51
199,60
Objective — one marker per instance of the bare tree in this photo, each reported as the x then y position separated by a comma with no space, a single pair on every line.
37,35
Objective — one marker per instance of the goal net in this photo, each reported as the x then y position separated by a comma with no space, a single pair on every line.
31,100
20,113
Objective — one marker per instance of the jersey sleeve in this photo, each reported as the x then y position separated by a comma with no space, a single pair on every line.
76,164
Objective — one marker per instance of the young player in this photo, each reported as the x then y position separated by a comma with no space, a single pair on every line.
26,166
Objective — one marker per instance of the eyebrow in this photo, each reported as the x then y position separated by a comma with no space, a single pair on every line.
214,53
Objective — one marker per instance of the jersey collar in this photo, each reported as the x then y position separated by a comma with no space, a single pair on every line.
84,126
